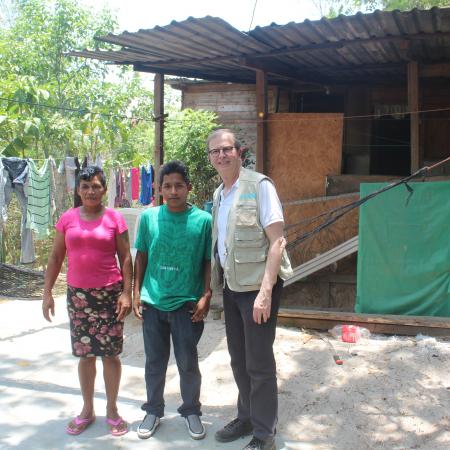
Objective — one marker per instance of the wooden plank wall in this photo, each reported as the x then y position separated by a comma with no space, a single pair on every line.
435,125
235,104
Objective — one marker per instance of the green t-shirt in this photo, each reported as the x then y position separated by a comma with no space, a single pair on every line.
177,245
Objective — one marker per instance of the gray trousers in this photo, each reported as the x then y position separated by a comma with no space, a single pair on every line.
26,237
252,360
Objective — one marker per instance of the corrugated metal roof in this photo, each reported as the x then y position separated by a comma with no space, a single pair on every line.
345,49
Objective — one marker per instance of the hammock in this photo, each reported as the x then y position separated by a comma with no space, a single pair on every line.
19,282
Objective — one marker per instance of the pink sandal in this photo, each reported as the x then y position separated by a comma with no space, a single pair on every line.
117,427
79,425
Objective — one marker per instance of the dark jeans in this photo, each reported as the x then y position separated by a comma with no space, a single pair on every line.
252,360
158,326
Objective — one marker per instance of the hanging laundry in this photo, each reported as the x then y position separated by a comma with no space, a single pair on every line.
111,188
146,185
59,181
69,168
40,208
17,171
135,183
120,200
128,193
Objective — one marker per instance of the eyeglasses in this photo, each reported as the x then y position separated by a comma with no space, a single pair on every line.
215,152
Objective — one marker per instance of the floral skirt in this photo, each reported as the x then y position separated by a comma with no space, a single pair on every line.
94,329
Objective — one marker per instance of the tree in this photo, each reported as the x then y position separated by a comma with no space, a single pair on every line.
332,8
185,140
405,5
52,102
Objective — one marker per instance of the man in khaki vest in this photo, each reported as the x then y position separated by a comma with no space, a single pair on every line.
249,258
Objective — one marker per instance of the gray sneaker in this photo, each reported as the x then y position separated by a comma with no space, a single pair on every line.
148,426
195,426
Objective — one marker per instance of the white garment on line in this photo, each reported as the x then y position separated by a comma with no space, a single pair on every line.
111,188
70,167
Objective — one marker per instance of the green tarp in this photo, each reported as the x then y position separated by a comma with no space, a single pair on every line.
404,251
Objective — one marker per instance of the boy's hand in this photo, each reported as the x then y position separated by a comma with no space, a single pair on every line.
201,308
137,306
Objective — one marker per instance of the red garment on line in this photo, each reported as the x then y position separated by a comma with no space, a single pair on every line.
135,183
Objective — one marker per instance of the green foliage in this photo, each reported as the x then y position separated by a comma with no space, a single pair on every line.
53,104
333,8
89,113
405,5
185,140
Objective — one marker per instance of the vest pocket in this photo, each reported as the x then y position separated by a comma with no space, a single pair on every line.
249,238
246,216
249,265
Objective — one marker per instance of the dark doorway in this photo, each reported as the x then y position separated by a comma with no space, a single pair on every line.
390,146
318,102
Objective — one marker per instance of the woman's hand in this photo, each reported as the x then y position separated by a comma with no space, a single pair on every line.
48,306
123,306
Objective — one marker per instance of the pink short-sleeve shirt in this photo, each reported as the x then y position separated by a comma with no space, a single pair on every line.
91,248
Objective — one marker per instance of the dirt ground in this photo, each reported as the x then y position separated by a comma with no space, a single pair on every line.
390,392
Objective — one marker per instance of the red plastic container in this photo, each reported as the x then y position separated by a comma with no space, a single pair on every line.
350,333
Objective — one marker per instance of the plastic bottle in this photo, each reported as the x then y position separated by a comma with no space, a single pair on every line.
349,333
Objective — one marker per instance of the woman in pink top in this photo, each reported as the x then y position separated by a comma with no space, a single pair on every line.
98,292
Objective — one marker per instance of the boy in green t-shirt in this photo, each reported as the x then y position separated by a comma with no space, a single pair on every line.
172,295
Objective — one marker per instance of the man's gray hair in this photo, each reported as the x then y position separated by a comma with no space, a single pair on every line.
218,133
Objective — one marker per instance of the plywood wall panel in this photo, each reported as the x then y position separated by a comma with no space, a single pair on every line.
302,150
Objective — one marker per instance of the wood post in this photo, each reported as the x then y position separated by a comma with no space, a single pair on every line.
159,130
261,125
413,106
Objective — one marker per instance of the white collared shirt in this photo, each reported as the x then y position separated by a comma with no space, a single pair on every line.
270,211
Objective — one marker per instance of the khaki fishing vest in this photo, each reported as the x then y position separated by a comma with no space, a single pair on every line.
246,243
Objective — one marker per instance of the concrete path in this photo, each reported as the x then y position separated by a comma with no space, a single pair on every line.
39,390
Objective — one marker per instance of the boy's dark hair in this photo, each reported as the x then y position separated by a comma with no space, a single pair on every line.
90,172
174,167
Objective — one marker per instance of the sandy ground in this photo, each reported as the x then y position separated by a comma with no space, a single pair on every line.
390,393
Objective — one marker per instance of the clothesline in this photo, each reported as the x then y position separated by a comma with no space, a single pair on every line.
42,193
240,120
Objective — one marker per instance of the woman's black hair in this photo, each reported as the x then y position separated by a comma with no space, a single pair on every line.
174,167
90,172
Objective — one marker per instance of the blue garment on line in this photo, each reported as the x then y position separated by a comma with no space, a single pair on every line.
146,185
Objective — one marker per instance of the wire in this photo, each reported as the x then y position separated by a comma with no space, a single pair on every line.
229,121
253,15
337,213
80,111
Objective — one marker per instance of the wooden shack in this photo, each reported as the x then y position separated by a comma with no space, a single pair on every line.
324,105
